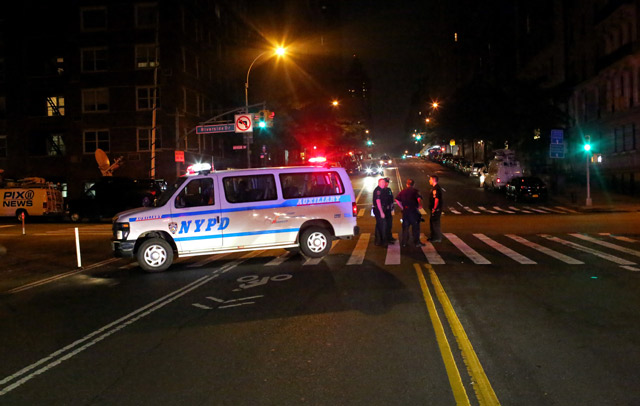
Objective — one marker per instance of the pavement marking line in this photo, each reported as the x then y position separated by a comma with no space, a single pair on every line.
552,210
470,210
517,209
399,179
10,225
393,252
565,209
361,213
505,250
316,261
361,190
454,211
487,210
279,260
202,306
56,358
357,256
455,380
630,268
421,210
619,237
484,391
555,254
206,260
503,210
467,250
582,248
432,255
607,244
60,276
536,210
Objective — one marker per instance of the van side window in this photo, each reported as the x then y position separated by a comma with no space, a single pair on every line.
252,188
311,184
198,192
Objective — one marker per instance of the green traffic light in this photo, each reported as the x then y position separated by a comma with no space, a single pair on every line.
262,124
587,147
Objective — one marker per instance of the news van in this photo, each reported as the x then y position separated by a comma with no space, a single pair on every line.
502,168
30,197
207,213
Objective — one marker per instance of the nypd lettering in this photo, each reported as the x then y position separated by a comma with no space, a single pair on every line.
199,225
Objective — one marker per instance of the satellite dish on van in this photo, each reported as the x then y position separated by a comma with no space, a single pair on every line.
103,163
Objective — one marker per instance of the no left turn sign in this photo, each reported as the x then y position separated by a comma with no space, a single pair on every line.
244,124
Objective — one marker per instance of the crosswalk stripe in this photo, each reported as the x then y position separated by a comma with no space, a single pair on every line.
432,255
467,250
393,253
470,210
619,237
424,213
505,250
279,259
361,213
553,210
357,256
607,244
555,254
565,209
454,211
506,211
579,247
316,261
206,260
536,210
487,210
522,210
630,268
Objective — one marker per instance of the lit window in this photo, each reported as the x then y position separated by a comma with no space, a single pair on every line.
146,15
94,139
55,145
94,100
145,56
93,19
144,139
55,106
94,59
145,98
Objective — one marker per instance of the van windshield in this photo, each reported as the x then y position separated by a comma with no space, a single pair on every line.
171,190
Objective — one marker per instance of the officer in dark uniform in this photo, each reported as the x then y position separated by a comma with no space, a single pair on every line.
410,201
387,206
379,212
435,205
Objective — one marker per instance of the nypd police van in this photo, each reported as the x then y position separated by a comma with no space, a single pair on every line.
240,210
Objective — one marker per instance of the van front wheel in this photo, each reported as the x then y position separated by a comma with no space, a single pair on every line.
315,242
155,255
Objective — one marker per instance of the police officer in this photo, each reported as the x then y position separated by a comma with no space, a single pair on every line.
378,211
387,206
410,201
435,205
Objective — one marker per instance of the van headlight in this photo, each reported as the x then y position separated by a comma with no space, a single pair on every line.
120,231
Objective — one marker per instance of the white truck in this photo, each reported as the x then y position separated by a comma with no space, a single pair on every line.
502,168
30,197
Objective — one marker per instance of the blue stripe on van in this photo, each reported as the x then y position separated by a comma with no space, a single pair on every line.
229,235
302,201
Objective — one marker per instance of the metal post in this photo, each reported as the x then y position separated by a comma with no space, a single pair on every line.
588,202
246,106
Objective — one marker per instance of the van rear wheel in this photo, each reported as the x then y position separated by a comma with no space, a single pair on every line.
315,242
155,255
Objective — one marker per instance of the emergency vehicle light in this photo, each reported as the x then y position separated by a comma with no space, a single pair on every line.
198,168
318,159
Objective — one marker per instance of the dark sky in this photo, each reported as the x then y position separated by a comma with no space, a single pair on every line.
389,37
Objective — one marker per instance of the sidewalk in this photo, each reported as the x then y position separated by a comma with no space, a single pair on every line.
602,200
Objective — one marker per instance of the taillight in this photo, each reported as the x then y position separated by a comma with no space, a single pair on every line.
498,180
354,207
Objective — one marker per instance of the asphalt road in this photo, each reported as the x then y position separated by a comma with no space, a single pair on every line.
538,308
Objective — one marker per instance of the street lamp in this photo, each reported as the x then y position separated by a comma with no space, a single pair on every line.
280,51
587,149
335,103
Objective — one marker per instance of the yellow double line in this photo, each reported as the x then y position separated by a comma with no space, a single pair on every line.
484,392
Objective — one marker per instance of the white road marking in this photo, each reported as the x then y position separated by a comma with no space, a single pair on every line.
470,210
279,260
522,210
316,261
236,305
357,256
607,244
361,213
503,210
548,251
201,306
565,209
10,225
454,211
393,252
552,210
505,250
487,210
620,238
467,250
579,247
630,268
421,210
206,260
536,210
432,255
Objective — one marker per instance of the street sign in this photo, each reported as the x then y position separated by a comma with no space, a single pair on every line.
244,123
179,155
215,128
557,137
556,151
239,147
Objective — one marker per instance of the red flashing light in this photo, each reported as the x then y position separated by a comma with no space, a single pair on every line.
498,180
354,206
318,159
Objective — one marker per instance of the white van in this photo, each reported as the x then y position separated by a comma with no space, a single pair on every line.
30,197
502,168
240,210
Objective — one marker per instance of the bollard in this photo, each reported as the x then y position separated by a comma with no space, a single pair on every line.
23,229
78,249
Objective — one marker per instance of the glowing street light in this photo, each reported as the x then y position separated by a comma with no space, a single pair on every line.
435,105
335,103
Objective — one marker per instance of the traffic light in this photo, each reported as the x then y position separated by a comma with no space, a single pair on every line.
587,143
369,143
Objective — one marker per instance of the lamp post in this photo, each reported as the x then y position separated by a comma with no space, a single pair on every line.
587,148
248,138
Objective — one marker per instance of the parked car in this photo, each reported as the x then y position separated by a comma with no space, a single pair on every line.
526,188
110,195
477,169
